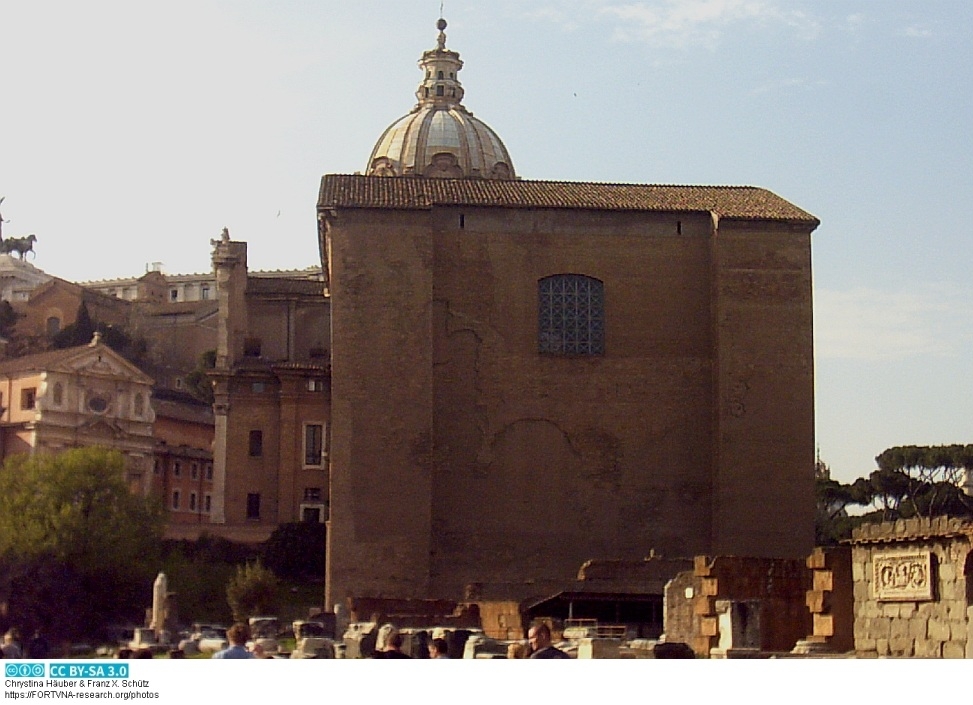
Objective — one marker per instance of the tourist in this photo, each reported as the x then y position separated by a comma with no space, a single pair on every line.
539,638
389,643
237,636
37,647
11,647
438,648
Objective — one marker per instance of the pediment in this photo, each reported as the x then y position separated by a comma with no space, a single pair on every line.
101,361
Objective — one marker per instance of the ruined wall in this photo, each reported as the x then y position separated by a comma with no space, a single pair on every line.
779,585
913,588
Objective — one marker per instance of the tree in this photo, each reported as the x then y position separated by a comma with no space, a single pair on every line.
198,381
252,591
77,548
929,478
296,550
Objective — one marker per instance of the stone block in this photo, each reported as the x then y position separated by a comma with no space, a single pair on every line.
918,627
890,610
937,630
900,630
926,648
823,580
823,625
907,610
709,587
703,605
958,631
954,649
817,559
947,572
879,628
871,610
861,592
817,601
863,643
901,647
858,572
882,647
709,626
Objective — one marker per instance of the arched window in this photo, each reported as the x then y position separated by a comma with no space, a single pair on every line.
58,394
53,325
439,75
571,315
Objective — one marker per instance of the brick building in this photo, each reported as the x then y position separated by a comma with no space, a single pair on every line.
272,399
527,375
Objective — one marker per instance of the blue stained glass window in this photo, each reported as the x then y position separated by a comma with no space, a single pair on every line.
571,315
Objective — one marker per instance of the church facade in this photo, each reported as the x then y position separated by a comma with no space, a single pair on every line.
527,375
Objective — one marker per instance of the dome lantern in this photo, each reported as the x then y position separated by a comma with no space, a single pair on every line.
440,137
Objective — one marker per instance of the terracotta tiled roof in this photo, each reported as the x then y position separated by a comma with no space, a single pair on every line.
38,361
414,193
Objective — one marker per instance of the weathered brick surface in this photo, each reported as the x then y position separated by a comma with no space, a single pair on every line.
516,466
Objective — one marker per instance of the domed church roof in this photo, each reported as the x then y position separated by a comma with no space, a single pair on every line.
440,137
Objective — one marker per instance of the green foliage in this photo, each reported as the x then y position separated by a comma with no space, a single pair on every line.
81,331
252,591
296,550
911,481
77,548
198,381
8,319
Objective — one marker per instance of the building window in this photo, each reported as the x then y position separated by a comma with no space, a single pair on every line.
194,470
312,494
28,396
571,315
173,294
192,501
176,469
139,404
258,387
314,444
251,347
58,394
157,467
311,515
256,443
253,505
53,326
207,503
209,471
204,292
315,385
175,499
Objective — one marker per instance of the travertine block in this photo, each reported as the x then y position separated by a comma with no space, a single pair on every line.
954,649
709,626
926,648
937,630
823,625
901,646
822,580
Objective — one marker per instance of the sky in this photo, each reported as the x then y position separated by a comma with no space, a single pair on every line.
132,132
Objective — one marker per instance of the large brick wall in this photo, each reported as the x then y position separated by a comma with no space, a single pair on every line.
461,455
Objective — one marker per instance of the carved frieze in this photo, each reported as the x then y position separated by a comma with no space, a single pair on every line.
902,576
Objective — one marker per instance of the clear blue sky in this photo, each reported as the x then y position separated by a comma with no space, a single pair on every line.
133,132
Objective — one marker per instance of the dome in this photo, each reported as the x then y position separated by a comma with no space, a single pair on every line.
440,137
